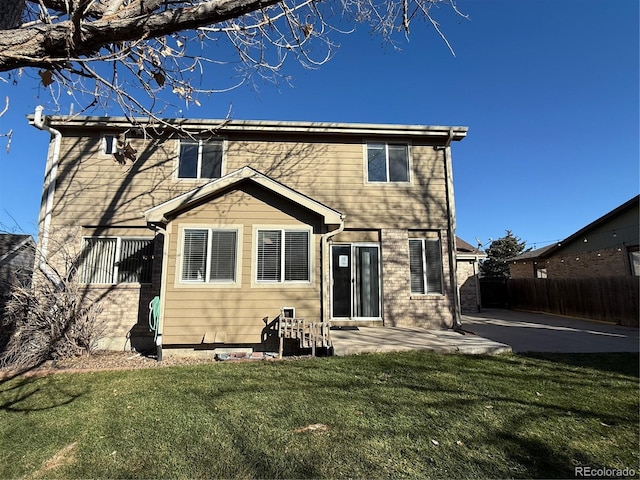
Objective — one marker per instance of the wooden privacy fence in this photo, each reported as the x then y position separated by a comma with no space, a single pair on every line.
494,292
613,299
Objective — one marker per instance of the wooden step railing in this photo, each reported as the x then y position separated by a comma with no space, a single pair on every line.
308,334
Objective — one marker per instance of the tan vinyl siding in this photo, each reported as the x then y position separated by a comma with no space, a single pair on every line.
335,174
237,311
93,189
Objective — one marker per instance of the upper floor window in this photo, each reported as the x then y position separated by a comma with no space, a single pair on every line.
109,144
425,262
283,256
116,260
387,162
200,159
209,255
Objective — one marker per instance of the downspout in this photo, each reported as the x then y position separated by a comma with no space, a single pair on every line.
476,281
326,276
451,232
50,179
163,288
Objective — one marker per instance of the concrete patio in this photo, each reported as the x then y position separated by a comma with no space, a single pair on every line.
494,331
395,339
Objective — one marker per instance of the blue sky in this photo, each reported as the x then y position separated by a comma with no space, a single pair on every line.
549,90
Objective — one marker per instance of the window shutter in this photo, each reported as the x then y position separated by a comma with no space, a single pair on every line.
434,265
135,261
223,255
194,255
296,256
211,160
269,260
416,266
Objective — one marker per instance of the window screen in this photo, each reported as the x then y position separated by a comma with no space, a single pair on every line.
269,262
116,260
209,255
296,257
283,256
425,264
194,255
387,163
201,159
223,256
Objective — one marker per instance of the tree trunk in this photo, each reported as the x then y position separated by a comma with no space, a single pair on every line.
53,44
11,13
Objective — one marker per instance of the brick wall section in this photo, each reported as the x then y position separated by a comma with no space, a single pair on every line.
468,286
401,309
611,262
125,307
521,269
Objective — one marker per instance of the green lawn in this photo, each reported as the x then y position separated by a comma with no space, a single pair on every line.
413,414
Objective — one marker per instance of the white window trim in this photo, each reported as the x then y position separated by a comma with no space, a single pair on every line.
282,283
179,283
200,143
116,266
365,163
103,144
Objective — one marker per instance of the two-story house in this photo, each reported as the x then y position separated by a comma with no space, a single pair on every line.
229,222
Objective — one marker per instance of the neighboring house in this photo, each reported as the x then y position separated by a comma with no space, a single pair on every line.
352,224
17,253
607,247
468,272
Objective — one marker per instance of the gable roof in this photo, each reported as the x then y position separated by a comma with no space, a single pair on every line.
161,214
464,249
549,250
11,243
531,254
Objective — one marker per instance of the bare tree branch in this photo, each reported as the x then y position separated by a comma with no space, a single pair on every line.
135,52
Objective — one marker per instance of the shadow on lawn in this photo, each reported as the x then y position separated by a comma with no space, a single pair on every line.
622,363
33,394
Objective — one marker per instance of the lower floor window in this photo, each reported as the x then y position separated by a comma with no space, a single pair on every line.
283,256
209,255
425,260
116,260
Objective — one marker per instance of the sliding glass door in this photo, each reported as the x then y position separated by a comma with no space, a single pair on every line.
355,270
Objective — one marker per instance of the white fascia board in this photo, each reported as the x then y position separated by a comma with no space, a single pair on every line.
471,256
263,126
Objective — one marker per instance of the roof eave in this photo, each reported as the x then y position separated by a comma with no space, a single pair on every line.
457,133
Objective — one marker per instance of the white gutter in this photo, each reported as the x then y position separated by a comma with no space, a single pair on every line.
267,126
50,181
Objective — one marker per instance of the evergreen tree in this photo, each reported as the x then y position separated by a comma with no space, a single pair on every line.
499,251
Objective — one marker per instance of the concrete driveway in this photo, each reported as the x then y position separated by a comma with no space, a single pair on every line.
537,332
